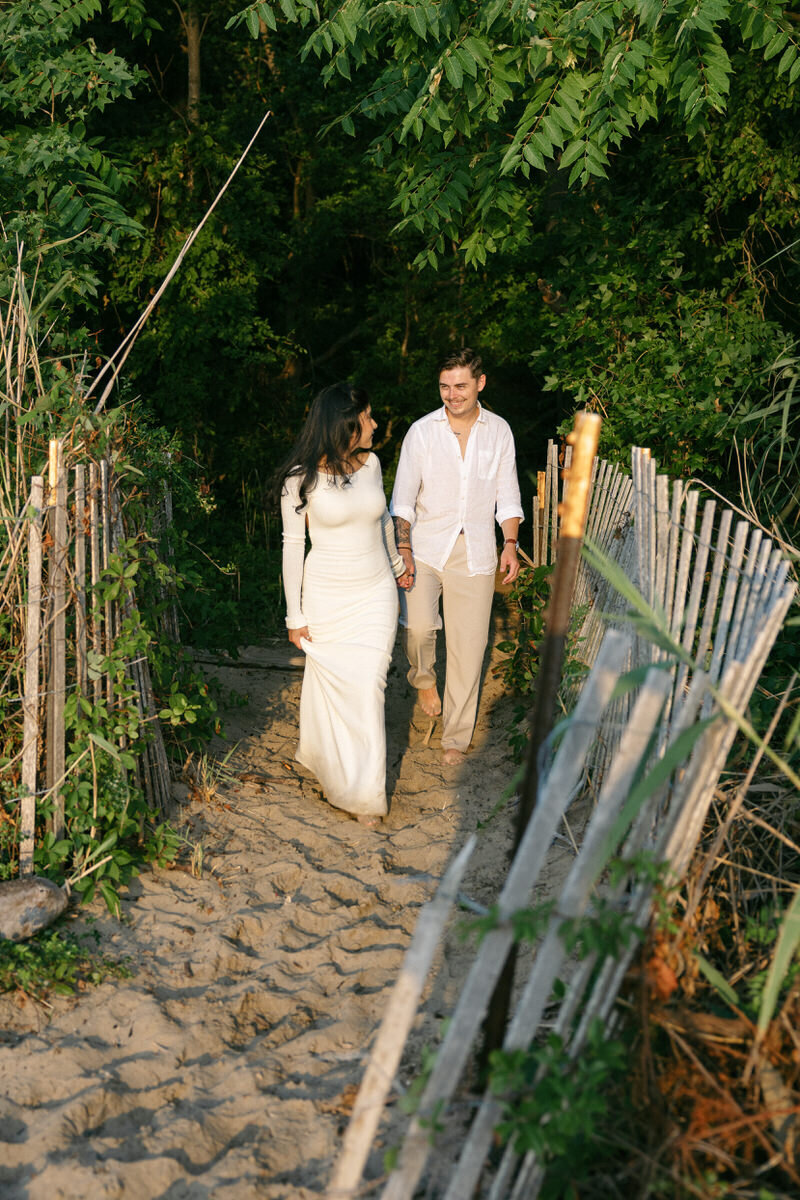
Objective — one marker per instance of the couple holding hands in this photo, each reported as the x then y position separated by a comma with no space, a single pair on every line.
456,474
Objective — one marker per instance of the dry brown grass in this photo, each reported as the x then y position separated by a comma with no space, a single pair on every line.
719,1111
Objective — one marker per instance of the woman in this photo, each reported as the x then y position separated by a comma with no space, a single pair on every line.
342,601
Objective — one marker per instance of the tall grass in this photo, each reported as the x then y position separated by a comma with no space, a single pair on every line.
766,445
719,981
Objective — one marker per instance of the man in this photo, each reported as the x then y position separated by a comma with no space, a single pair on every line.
456,474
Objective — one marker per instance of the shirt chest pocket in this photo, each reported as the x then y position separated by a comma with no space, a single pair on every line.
487,464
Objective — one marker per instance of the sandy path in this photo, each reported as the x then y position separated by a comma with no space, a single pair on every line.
225,1066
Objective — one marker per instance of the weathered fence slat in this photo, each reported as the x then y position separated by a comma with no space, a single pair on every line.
572,902
740,583
544,511
663,539
554,795
80,579
63,633
692,609
108,614
553,532
676,539
732,578
94,547
30,706
396,1023
57,676
611,972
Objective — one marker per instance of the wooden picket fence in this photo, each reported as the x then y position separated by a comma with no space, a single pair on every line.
68,530
709,575
724,598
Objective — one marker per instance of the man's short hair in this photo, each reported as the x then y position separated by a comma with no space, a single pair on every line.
463,358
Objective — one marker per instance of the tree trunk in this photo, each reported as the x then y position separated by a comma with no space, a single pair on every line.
193,36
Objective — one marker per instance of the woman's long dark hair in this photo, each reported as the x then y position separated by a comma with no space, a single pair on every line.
327,436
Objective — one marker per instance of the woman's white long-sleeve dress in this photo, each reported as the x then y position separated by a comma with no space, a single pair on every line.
345,593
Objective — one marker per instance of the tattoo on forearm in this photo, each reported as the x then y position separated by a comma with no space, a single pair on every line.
402,531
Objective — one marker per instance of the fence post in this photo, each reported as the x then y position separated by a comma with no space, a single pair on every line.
105,510
30,703
94,549
566,555
80,578
171,623
56,754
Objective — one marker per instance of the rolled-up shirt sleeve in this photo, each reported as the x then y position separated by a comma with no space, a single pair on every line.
508,503
294,548
408,479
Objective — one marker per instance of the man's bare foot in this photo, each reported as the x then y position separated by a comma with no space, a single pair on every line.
429,701
452,757
368,820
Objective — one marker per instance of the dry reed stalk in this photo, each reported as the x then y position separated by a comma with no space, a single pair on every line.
13,552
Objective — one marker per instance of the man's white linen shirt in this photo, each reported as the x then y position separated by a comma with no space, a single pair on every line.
440,493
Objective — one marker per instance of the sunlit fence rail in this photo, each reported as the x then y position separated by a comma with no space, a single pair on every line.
713,593
58,568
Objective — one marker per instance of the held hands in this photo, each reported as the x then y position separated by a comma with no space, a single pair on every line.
406,580
509,563
296,635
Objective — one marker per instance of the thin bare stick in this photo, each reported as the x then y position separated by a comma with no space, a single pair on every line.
117,359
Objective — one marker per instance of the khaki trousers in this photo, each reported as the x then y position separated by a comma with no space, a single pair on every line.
467,606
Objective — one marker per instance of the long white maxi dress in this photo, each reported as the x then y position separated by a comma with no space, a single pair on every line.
345,593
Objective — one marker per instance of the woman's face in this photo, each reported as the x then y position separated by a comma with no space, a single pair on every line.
362,440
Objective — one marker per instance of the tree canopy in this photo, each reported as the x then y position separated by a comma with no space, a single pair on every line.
621,178
474,101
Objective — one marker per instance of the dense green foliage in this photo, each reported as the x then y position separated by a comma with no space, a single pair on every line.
608,194
631,168
60,188
475,99
632,276
602,196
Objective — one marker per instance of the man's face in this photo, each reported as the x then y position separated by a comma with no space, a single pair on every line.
459,390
